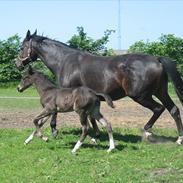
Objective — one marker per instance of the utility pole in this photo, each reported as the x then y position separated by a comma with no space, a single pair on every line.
119,24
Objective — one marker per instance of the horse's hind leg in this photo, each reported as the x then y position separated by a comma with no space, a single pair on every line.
175,113
83,120
53,124
155,107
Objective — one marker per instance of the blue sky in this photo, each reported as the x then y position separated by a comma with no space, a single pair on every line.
58,19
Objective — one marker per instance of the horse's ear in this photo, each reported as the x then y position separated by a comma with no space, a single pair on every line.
28,34
35,33
30,70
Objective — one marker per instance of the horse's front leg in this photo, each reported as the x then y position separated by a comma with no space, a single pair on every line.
42,117
53,124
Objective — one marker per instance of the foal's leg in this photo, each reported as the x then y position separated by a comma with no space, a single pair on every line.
95,128
83,120
98,116
175,113
155,107
37,132
53,124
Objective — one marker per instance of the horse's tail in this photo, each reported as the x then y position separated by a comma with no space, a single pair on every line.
171,70
107,98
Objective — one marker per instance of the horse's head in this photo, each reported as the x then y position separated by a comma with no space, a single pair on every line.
27,53
26,80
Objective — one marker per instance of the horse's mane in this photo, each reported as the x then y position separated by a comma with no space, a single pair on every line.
40,39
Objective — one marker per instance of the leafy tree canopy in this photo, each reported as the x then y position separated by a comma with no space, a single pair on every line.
167,45
83,42
8,51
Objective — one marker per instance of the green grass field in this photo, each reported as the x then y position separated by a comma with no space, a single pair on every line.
10,99
18,102
133,161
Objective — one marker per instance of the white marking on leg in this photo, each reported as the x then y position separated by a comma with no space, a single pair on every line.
77,146
29,138
147,134
104,122
179,140
111,143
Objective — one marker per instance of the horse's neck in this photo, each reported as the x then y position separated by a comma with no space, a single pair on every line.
42,84
53,54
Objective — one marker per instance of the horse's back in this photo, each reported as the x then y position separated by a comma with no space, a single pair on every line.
142,73
117,76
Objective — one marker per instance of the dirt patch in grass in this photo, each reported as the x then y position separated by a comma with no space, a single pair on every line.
126,114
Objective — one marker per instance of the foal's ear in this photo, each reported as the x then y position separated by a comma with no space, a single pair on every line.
30,70
28,35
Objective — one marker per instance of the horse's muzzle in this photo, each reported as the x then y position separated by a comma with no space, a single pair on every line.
19,89
19,65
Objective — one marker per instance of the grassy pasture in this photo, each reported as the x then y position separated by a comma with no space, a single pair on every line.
133,161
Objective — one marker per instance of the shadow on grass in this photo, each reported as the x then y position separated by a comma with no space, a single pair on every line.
104,136
127,138
160,139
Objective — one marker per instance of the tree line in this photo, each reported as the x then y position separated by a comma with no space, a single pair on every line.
167,45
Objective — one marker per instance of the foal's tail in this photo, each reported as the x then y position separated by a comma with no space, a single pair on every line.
107,98
170,68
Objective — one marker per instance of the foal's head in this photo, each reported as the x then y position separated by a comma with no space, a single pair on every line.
27,80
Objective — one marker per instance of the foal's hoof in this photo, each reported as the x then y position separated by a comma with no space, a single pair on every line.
180,140
45,139
93,141
74,152
110,149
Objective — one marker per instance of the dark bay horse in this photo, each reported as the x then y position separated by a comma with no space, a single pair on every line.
82,100
138,76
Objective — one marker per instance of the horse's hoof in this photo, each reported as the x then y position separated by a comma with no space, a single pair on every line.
55,133
146,135
180,140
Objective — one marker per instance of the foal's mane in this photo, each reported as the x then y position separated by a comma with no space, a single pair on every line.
47,82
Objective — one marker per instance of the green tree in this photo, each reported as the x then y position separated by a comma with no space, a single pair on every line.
167,45
83,42
8,51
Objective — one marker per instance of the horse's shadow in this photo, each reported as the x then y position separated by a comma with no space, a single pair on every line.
127,138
